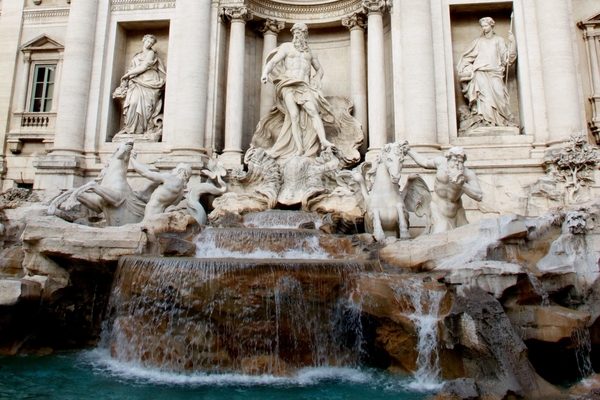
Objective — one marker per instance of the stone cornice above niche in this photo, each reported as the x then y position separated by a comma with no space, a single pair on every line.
131,5
47,15
313,11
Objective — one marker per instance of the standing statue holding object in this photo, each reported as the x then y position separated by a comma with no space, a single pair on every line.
482,69
298,96
141,91
452,180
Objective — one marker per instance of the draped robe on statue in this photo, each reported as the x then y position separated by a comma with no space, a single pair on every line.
481,70
274,131
143,101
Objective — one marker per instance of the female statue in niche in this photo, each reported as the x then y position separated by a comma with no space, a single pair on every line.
141,92
482,72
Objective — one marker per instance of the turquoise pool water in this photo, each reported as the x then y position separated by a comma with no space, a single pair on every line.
93,375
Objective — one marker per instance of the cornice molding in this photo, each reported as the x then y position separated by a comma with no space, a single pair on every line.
310,12
133,5
46,15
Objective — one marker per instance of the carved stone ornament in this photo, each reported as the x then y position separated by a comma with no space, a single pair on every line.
236,13
356,20
253,190
271,26
305,11
574,166
376,6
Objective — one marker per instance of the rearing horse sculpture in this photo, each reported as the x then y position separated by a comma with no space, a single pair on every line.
110,193
386,205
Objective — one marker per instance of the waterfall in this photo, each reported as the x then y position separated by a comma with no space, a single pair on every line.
233,315
425,317
583,348
270,244
539,289
274,219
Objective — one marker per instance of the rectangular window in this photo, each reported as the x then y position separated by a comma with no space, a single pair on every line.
42,90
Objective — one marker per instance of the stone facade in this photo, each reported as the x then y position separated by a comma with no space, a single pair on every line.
395,59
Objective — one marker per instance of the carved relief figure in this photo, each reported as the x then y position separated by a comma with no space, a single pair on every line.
482,72
141,90
295,126
170,189
452,180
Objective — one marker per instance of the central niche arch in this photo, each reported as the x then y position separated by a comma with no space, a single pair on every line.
309,11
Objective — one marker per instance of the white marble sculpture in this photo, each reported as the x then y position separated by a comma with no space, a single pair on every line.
452,180
170,186
141,92
302,178
386,204
297,125
109,193
255,189
482,71
215,173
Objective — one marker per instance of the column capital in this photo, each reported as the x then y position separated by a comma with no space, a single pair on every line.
355,21
271,26
376,6
236,13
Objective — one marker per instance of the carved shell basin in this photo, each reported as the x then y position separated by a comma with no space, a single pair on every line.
308,11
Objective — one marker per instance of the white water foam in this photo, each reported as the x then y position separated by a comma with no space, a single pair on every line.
307,248
102,363
426,377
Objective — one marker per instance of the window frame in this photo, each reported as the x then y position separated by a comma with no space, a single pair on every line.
44,99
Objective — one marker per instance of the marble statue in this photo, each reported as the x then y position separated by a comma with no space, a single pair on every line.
452,180
170,186
109,193
141,91
482,71
302,178
386,206
215,173
297,125
254,189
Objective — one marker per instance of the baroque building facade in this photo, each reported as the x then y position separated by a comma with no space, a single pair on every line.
61,116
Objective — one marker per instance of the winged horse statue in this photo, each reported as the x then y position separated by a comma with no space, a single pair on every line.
387,204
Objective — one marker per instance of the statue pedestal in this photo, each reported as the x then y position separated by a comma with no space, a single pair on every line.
491,131
132,137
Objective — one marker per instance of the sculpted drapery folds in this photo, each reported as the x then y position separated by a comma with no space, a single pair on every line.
303,122
482,71
141,90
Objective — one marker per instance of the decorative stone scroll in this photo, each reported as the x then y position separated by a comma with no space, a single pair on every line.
376,6
236,13
354,21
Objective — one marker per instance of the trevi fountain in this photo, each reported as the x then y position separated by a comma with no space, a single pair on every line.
334,199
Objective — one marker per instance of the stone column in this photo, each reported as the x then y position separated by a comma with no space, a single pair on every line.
234,99
25,83
270,29
591,36
418,73
11,24
185,134
376,75
563,102
63,167
57,80
358,68
73,93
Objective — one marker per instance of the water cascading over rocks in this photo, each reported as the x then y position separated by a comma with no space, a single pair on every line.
244,314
